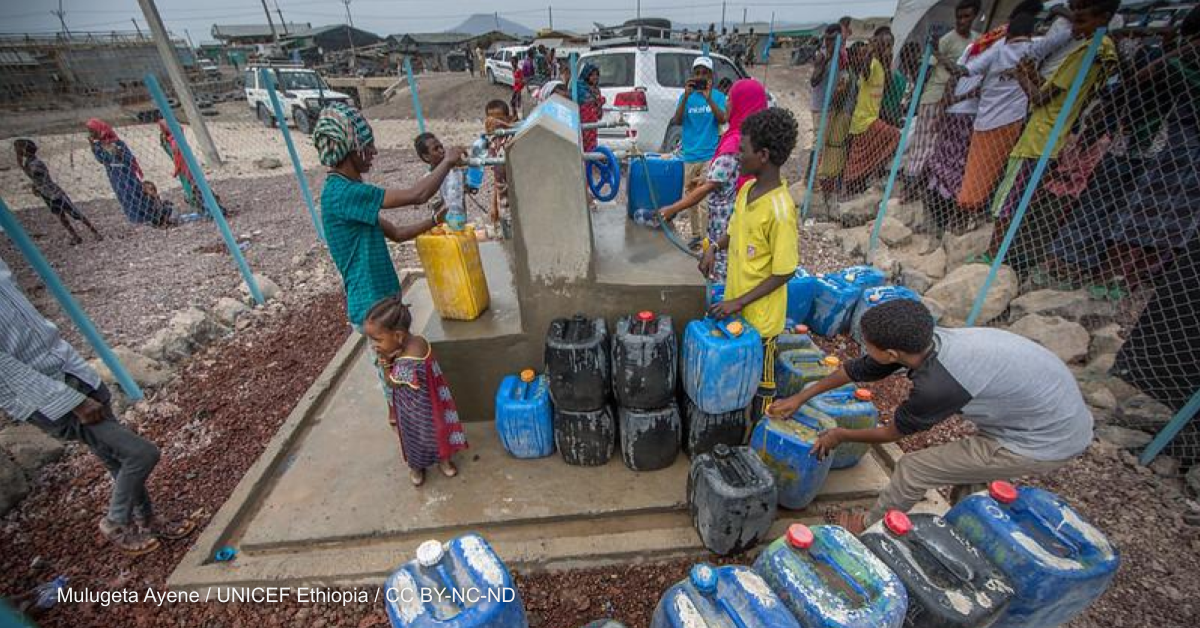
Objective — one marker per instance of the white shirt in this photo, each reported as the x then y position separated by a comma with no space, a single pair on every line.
964,87
1001,99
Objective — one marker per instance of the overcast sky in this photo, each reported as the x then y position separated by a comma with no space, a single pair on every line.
385,17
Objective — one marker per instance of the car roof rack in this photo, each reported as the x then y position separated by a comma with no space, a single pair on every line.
638,33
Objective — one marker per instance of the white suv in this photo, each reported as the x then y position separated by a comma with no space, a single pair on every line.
302,94
644,84
499,64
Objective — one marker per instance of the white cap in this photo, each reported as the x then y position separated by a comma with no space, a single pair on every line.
702,62
430,553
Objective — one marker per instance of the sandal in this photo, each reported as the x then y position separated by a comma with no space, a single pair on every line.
416,476
447,468
128,539
170,530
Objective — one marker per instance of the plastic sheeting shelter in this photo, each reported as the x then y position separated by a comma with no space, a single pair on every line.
915,17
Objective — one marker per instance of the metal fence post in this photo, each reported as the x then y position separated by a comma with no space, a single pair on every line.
268,79
574,74
1039,170
905,130
17,234
412,87
1168,432
819,141
210,201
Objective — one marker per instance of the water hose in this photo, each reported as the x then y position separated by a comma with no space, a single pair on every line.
607,173
667,230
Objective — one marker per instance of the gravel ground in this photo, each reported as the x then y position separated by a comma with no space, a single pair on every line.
137,277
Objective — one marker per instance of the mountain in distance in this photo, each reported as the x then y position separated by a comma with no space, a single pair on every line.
481,23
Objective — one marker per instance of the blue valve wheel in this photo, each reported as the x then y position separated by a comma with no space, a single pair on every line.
602,174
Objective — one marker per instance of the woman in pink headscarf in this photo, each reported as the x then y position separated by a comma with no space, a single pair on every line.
746,98
124,172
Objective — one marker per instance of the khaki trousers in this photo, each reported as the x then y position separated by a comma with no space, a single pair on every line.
694,174
963,464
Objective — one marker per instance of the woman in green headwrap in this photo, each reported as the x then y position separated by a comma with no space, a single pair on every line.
355,232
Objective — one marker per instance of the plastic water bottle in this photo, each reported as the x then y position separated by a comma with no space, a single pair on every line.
47,593
475,173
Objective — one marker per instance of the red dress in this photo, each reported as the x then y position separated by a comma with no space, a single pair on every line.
592,110
426,417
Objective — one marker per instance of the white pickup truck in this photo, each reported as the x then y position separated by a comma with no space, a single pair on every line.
302,94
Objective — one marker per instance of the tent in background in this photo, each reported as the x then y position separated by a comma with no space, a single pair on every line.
915,17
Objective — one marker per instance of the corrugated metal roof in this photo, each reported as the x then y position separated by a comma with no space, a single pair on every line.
17,58
221,31
436,38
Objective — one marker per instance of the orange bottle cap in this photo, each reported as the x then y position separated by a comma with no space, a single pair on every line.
897,522
801,329
528,375
831,360
862,394
735,328
1003,492
645,316
800,536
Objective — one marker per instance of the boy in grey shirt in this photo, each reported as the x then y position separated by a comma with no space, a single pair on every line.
1030,415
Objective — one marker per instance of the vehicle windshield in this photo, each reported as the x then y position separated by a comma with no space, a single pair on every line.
294,79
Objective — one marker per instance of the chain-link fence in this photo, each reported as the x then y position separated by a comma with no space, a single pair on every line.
1048,183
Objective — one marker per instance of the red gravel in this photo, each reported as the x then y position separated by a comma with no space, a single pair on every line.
211,423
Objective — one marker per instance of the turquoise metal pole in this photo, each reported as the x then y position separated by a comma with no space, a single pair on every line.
268,79
908,122
574,73
830,82
17,234
412,86
1038,171
210,201
1170,430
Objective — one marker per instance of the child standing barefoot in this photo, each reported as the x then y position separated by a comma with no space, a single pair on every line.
428,425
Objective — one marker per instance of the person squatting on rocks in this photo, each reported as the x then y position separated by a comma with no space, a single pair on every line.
44,382
44,187
426,417
1030,414
762,238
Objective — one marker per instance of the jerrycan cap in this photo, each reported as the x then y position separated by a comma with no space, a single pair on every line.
874,298
831,360
897,522
735,328
645,316
800,536
862,394
722,451
430,553
801,329
528,375
704,578
1002,491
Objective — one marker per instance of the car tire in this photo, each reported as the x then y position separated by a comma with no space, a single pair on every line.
672,140
491,77
265,117
304,124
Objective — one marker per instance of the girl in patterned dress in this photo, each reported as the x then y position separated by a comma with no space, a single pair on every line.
427,419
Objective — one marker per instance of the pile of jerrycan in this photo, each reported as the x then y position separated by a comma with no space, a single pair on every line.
1006,557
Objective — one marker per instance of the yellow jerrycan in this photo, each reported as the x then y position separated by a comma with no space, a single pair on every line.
454,272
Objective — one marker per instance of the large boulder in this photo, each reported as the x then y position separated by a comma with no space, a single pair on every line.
910,214
931,264
228,310
269,289
936,310
1097,394
854,242
29,447
892,232
186,333
914,280
146,371
1143,412
13,485
1105,341
957,291
1076,305
1068,340
1123,437
859,210
960,247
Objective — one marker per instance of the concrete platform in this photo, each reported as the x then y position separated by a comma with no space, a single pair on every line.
329,500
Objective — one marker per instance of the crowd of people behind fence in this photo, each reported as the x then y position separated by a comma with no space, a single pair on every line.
1117,201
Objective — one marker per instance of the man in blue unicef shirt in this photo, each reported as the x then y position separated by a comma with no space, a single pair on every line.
701,111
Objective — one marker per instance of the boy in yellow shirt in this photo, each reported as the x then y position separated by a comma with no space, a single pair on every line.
762,238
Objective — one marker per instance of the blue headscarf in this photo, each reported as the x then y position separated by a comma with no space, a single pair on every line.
583,92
